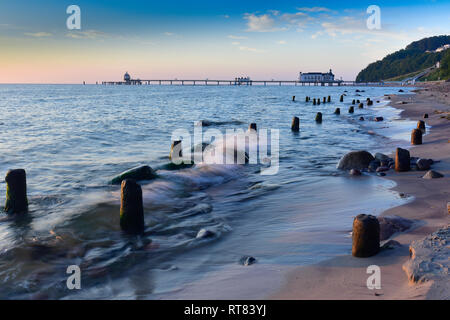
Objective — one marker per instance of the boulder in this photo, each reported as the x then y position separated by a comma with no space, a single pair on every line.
205,233
381,157
429,259
423,164
389,225
138,174
382,169
355,160
379,119
433,175
373,165
402,160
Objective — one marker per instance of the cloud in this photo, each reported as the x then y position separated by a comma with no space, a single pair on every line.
281,42
236,37
261,23
88,34
314,9
38,34
235,43
169,34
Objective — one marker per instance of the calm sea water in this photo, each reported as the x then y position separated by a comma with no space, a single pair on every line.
73,139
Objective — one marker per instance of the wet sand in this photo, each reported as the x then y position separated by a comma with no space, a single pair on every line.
344,277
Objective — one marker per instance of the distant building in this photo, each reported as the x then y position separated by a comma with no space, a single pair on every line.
126,77
316,77
242,79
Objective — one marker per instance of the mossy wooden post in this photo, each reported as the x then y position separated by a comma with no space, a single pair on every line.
329,99
176,152
337,111
421,126
365,236
324,100
131,207
351,109
16,191
295,126
402,160
416,137
319,117
252,126
361,106
342,98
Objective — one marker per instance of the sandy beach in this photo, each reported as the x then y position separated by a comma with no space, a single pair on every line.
344,277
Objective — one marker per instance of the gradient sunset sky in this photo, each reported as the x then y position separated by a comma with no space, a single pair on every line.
204,39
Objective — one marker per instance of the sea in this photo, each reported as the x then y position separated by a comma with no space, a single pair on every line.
73,139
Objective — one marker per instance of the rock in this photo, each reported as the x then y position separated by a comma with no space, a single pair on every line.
381,157
416,137
16,191
429,258
138,174
295,126
365,236
389,225
379,119
205,233
247,260
131,207
433,175
390,244
382,169
361,118
402,160
423,164
355,160
401,90
355,172
381,174
373,165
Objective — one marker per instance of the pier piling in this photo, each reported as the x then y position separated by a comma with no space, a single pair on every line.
295,126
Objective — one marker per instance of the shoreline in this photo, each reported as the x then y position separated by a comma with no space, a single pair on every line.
344,277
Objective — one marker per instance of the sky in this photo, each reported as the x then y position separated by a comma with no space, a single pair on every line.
205,39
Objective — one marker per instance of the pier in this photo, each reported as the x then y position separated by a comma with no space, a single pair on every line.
208,82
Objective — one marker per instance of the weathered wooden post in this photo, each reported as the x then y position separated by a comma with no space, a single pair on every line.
402,160
416,137
361,106
365,236
421,126
342,98
295,126
337,111
351,109
16,191
324,100
252,126
293,98
176,152
354,101
131,207
319,117
329,98
314,101
425,116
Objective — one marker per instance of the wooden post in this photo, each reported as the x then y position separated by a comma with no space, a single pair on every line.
16,191
365,236
131,207
295,124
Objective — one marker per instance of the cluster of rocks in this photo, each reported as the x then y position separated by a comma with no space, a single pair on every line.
362,161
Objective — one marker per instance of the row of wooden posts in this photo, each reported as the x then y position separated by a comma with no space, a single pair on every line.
366,229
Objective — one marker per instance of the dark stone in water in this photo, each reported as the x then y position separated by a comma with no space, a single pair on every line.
381,174
373,165
138,174
382,169
205,233
381,156
390,225
355,172
355,160
247,260
379,119
361,118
